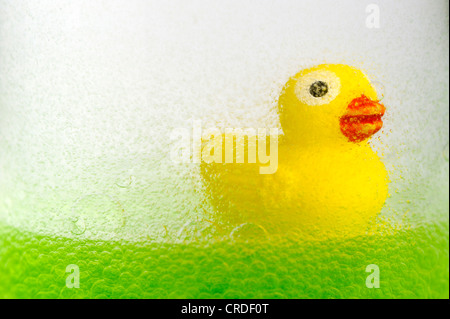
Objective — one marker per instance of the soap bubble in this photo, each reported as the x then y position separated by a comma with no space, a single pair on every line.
97,213
126,182
249,232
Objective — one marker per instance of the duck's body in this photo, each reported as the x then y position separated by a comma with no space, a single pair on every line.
331,191
336,189
329,182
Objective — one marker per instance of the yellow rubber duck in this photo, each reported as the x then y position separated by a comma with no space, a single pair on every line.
329,182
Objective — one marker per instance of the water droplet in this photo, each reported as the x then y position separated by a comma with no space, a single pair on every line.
125,183
249,232
97,213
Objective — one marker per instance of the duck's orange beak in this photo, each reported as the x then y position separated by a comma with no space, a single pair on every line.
362,119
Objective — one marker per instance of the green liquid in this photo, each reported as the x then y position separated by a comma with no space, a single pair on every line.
413,264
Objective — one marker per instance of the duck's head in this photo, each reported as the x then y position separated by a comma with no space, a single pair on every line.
330,103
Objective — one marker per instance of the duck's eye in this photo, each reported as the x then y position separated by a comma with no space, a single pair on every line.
318,89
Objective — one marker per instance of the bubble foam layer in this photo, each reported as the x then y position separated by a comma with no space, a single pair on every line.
413,264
